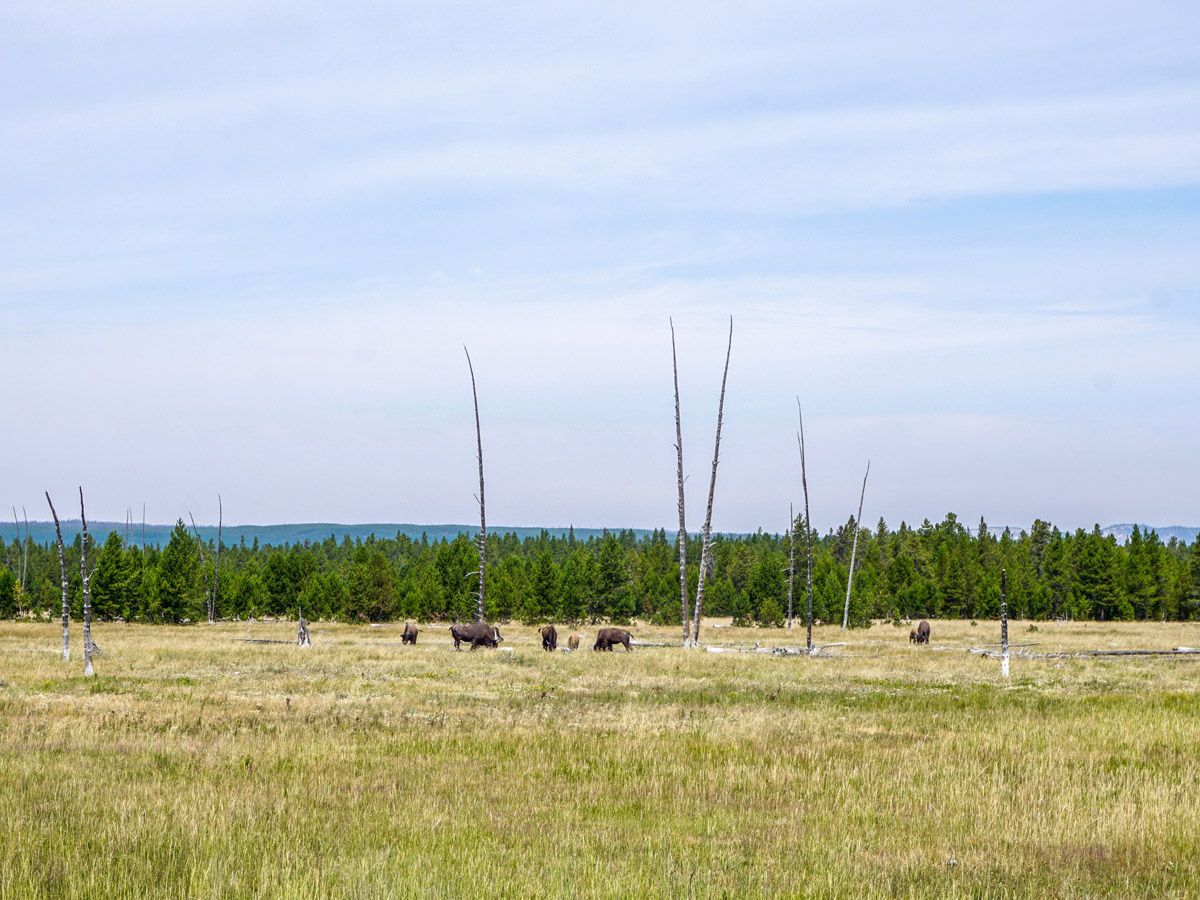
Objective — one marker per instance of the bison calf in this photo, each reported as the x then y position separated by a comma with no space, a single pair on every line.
549,637
573,641
920,634
606,637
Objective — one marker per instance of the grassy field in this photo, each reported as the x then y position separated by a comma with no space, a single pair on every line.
199,765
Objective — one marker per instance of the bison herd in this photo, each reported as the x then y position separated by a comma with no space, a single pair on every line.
477,634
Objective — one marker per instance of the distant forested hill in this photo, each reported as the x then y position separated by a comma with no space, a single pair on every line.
286,535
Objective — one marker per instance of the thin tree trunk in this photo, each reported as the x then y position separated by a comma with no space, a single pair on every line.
25,556
479,605
212,603
87,592
807,525
1003,623
303,639
854,549
791,564
683,591
142,575
62,565
706,535
203,566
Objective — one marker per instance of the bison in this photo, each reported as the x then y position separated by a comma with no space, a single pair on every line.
477,634
573,641
549,637
920,634
410,634
606,637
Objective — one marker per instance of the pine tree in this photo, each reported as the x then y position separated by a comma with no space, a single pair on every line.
177,589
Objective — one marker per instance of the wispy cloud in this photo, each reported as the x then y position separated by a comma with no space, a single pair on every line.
966,233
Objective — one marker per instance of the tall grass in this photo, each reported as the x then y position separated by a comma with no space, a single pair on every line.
196,765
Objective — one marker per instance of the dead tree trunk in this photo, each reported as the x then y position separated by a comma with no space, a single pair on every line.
479,605
683,591
62,565
208,601
212,600
791,564
706,534
1003,623
807,525
87,592
25,553
302,636
854,549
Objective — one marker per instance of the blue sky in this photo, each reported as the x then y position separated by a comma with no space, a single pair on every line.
257,235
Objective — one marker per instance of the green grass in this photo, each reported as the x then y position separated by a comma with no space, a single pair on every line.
196,765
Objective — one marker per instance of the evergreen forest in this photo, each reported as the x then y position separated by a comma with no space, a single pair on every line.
932,571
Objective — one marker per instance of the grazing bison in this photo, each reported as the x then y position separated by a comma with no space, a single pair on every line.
573,640
549,637
410,634
476,634
606,637
920,634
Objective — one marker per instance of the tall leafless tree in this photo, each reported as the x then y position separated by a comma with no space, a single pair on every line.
212,600
807,525
208,598
62,565
479,605
854,549
791,564
22,564
683,591
25,553
16,543
706,534
86,575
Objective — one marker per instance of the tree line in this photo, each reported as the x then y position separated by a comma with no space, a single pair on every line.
942,570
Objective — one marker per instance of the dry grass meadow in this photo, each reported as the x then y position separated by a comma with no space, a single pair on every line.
197,765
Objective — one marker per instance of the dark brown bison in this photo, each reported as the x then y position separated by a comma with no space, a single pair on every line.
410,634
477,634
606,637
573,640
549,637
920,634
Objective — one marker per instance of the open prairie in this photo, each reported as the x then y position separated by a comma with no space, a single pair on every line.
196,764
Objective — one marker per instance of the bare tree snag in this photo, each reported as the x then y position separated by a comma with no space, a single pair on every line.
683,591
62,565
479,605
706,535
87,592
807,525
854,549
1003,623
208,601
16,542
791,565
25,553
212,600
302,636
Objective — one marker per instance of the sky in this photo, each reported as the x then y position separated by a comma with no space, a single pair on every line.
242,245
